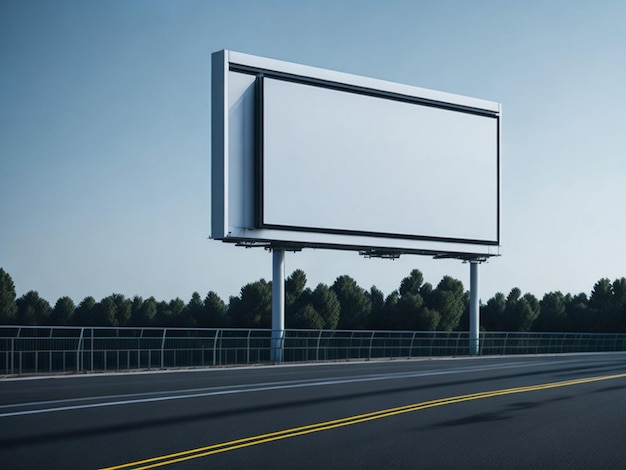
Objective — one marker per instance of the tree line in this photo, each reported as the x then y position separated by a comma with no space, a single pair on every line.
414,305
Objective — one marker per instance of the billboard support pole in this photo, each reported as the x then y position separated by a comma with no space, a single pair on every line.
278,304
474,320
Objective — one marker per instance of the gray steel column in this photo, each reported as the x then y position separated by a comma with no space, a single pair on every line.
474,320
278,304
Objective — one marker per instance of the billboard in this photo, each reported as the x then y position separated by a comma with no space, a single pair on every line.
307,157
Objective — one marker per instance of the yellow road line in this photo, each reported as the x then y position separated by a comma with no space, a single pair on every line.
336,423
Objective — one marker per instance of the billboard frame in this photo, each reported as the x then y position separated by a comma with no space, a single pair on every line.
241,221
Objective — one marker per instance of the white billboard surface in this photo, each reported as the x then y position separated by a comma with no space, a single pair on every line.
306,157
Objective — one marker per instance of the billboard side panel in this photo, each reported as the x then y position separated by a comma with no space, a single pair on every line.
241,144
219,144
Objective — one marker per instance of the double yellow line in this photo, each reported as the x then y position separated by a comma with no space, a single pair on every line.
337,423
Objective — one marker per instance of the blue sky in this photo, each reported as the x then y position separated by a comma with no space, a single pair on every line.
105,135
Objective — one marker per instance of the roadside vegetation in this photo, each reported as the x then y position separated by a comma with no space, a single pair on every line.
414,305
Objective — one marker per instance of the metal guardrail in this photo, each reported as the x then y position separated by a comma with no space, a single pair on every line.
39,350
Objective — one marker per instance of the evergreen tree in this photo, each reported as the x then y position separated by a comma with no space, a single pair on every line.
604,307
105,313
427,320
377,317
306,317
143,312
148,312
194,312
164,316
325,302
493,313
520,311
135,311
215,312
412,283
253,307
84,315
8,307
411,308
177,311
122,309
576,308
354,302
449,299
63,311
32,309
408,312
294,287
552,314
390,311
619,303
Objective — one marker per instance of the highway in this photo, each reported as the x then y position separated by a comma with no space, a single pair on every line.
540,412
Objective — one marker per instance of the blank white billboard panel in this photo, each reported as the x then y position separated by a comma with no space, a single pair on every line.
344,161
306,157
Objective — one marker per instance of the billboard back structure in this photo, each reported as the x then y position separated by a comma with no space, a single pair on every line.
304,157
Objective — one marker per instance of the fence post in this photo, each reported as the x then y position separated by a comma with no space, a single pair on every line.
163,349
349,348
217,331
248,347
92,350
317,348
432,340
139,349
79,356
12,355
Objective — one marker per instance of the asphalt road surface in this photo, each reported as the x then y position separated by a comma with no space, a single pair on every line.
540,412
